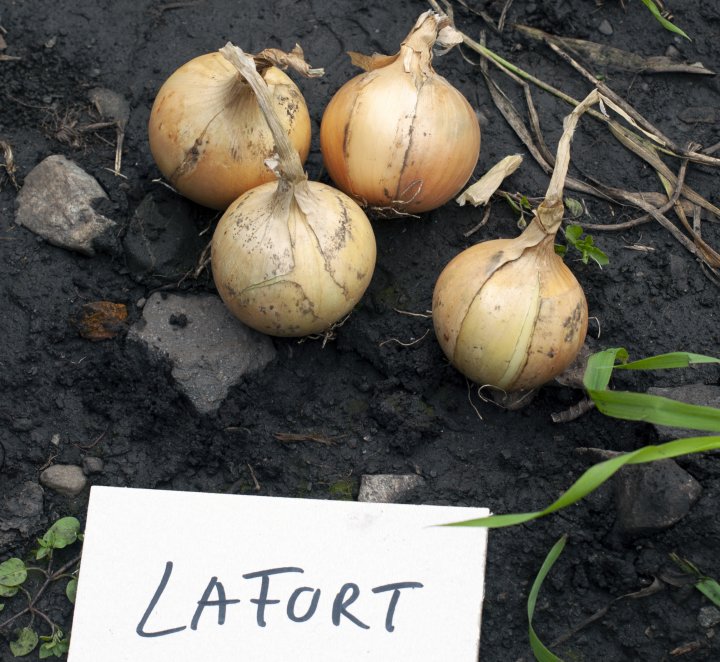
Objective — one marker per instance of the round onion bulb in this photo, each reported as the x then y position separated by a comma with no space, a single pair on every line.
290,258
508,313
400,137
292,270
207,134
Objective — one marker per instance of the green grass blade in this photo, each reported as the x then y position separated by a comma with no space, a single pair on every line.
663,21
710,589
706,585
671,360
597,474
656,409
541,652
600,366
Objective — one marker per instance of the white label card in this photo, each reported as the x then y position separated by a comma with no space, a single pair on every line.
195,577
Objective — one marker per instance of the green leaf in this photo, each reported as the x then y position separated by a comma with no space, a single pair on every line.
541,652
71,590
573,233
54,646
8,591
575,207
586,246
12,572
706,585
642,406
2,606
597,474
671,360
25,643
656,409
662,20
61,534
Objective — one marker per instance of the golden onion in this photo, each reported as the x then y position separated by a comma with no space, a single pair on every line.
207,134
290,258
508,313
400,137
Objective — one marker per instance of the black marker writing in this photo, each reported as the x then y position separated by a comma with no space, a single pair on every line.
263,600
220,603
140,629
311,609
341,603
395,588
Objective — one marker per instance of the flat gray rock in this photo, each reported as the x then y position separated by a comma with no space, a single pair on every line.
66,479
653,497
56,203
387,488
209,349
693,394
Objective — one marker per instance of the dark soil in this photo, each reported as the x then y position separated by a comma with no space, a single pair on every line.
394,408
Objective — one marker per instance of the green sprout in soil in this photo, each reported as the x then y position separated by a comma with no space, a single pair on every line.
655,11
15,581
708,586
585,245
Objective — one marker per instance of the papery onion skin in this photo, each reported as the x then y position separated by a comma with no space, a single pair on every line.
208,136
331,254
515,327
400,137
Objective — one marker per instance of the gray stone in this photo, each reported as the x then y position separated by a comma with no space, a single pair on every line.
653,497
66,479
56,202
92,465
709,617
387,488
209,349
21,513
694,394
605,28
162,240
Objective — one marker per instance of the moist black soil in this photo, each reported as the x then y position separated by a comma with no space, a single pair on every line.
392,405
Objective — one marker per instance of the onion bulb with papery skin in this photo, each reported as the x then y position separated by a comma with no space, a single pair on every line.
290,258
508,313
400,137
207,134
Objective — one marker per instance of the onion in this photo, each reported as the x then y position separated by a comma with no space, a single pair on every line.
207,134
509,313
290,258
400,137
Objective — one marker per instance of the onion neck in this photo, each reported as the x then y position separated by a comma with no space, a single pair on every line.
288,166
416,49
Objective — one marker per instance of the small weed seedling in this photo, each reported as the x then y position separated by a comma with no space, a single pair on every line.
586,246
655,11
16,579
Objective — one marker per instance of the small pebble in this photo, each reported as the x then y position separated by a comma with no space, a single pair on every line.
93,465
605,28
66,479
